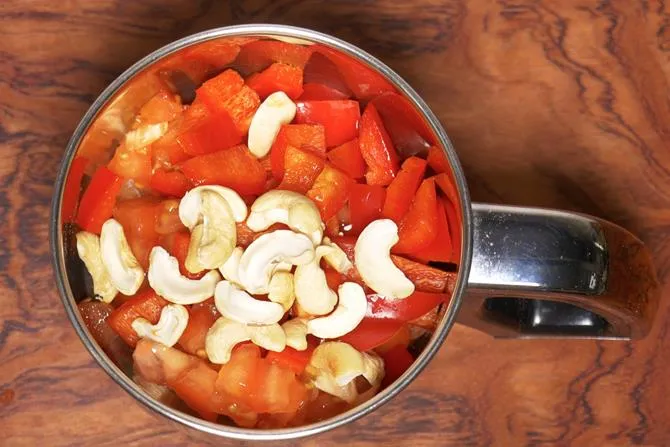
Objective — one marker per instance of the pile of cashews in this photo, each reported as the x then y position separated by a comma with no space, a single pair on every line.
282,264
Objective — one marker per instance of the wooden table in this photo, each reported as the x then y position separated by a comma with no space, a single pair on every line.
560,105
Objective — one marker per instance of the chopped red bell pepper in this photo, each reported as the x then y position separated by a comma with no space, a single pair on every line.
72,189
437,160
334,278
377,149
234,167
348,157
291,358
447,186
320,92
98,201
256,56
402,189
277,77
418,229
203,132
322,71
311,137
396,362
340,118
372,332
365,205
214,53
301,168
408,309
145,304
453,216
409,132
362,80
170,183
440,249
330,191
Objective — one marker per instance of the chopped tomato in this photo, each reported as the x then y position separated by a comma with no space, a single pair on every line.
334,278
301,168
170,183
340,118
98,200
138,219
410,133
195,386
145,304
410,308
164,106
216,53
330,191
365,205
239,377
234,167
447,186
280,392
256,56
320,92
453,216
72,189
311,137
167,217
402,189
441,248
348,158
201,317
418,228
377,149
291,359
277,77
132,162
167,151
362,80
396,362
372,332
322,71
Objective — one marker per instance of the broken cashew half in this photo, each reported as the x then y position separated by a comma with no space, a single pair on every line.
311,288
275,111
124,271
230,268
88,248
236,304
349,312
170,326
281,290
337,258
296,333
225,334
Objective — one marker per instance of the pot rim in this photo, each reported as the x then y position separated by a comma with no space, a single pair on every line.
58,257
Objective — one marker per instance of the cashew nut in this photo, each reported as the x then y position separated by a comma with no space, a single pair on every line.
337,258
88,248
281,289
190,206
276,110
262,257
124,271
236,304
372,254
225,334
214,236
287,207
311,288
168,282
334,365
347,315
230,268
170,326
296,333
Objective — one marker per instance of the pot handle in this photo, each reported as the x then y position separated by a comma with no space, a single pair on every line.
545,273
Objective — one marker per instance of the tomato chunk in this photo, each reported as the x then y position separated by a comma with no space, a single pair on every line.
348,158
214,53
301,168
291,359
145,304
402,189
201,317
372,332
396,362
320,92
311,137
138,219
170,183
418,229
162,107
132,162
340,118
97,203
330,191
365,205
410,308
234,167
277,77
409,132
177,245
441,248
255,56
72,189
377,149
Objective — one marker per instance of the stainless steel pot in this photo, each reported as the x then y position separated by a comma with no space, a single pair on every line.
524,272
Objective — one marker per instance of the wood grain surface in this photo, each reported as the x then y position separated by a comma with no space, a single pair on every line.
560,104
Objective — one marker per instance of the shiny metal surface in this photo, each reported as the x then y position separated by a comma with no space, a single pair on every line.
538,272
108,119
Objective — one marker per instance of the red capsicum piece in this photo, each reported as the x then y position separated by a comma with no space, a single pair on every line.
72,188
414,306
402,189
203,132
177,245
234,167
418,229
365,205
311,137
320,92
277,77
348,158
291,358
372,332
377,149
98,201
396,361
256,56
322,71
145,304
330,191
170,183
453,216
446,185
340,118
138,218
301,168
440,249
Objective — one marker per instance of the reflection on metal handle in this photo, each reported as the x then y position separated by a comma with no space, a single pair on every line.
538,272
